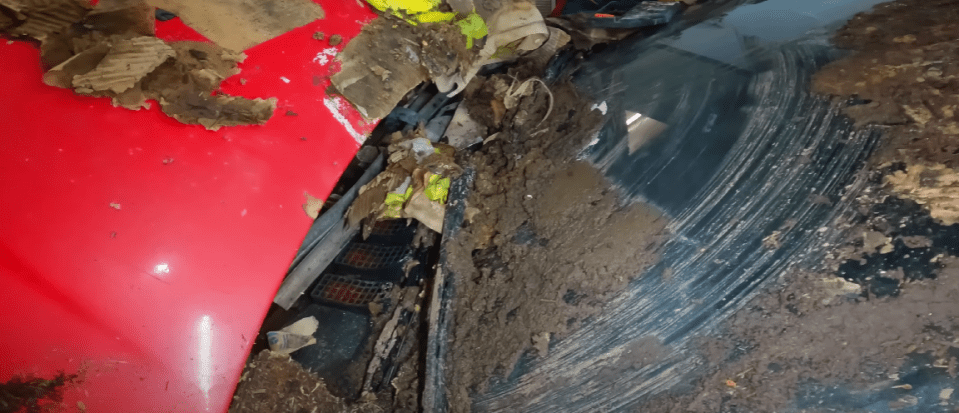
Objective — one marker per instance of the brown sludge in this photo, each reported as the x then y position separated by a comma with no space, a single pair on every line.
547,240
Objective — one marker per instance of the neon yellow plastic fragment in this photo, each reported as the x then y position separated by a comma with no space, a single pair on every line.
438,189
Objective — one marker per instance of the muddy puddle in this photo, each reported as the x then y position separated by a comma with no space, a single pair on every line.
872,326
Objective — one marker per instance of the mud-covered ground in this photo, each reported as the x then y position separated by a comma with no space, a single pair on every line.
546,240
889,295
275,383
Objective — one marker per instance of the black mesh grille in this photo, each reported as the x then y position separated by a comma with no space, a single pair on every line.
370,257
350,291
387,227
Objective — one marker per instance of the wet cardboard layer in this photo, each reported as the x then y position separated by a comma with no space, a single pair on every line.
127,61
110,51
121,17
38,19
186,87
241,24
390,57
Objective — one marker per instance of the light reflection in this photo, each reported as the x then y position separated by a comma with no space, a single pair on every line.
205,357
641,129
162,268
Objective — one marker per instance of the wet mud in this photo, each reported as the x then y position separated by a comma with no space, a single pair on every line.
547,241
858,331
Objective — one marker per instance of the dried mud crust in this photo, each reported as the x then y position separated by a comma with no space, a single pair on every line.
546,240
890,292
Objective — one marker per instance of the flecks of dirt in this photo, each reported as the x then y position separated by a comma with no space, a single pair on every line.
547,240
275,383
390,57
242,24
905,67
33,395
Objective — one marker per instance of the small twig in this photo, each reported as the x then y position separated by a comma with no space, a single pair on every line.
550,109
539,132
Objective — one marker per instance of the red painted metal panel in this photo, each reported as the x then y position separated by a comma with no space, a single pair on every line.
155,300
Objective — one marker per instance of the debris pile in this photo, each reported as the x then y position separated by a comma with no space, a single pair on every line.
413,185
546,241
111,50
392,56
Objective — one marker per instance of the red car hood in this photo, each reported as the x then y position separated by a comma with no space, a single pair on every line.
142,254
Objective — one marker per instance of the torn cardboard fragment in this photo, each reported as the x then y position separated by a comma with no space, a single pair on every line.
111,51
379,49
185,88
214,112
128,61
242,24
80,64
463,130
39,19
391,56
5,22
121,17
426,211
15,5
293,337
